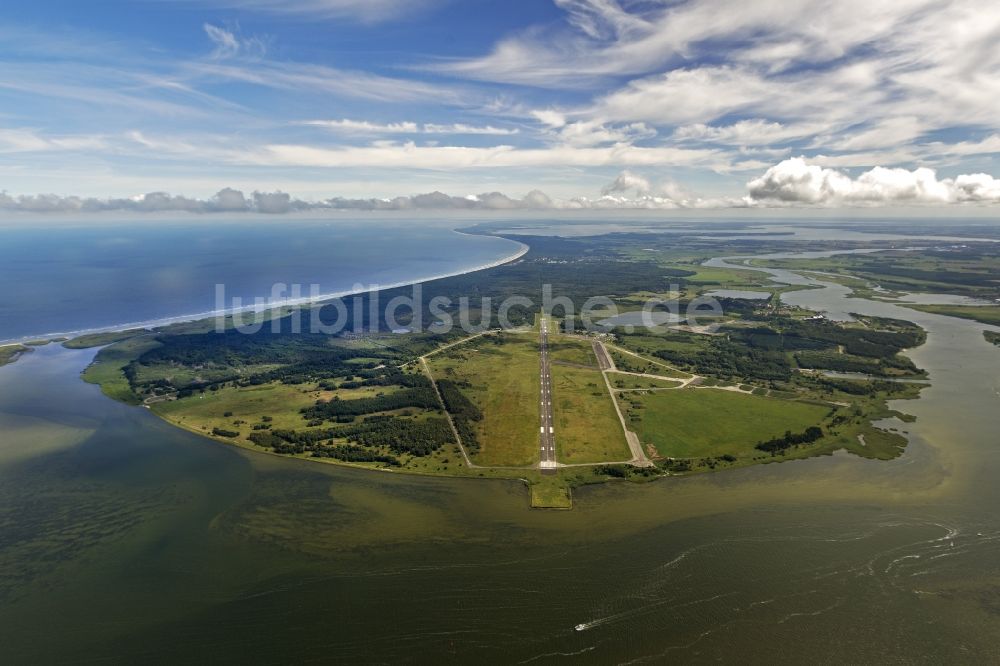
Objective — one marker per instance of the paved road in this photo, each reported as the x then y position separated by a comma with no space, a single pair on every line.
639,458
603,358
547,440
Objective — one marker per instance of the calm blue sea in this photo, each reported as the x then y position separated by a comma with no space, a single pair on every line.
79,276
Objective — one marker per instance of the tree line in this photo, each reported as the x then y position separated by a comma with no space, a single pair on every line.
422,397
790,439
399,435
463,411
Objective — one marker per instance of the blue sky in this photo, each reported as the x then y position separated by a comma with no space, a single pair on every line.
612,103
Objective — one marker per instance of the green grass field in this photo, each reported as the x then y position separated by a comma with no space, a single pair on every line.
550,493
986,314
692,423
570,350
248,405
587,428
674,341
504,384
204,411
188,376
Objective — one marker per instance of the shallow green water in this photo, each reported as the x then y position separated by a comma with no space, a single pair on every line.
124,539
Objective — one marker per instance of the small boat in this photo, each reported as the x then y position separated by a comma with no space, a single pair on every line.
580,627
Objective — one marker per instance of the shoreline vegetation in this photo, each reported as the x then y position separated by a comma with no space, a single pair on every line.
761,383
10,353
984,314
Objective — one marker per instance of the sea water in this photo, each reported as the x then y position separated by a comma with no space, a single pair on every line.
75,276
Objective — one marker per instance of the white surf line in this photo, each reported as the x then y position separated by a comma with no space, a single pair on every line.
267,307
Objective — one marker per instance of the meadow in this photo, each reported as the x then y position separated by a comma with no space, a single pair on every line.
586,423
500,375
703,422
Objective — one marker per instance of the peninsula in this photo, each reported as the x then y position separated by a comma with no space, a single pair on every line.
555,396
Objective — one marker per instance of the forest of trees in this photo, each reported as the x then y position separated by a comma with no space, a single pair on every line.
422,397
351,453
762,352
416,437
788,334
724,358
863,387
831,360
790,439
397,434
463,412
383,377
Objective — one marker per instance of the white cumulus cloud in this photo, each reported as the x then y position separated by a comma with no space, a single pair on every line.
788,183
795,181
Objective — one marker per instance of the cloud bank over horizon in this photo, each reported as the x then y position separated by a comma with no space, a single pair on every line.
791,182
796,182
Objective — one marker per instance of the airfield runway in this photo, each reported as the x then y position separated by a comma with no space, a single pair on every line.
547,440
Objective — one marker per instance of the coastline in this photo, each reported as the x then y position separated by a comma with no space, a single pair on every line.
152,324
10,352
